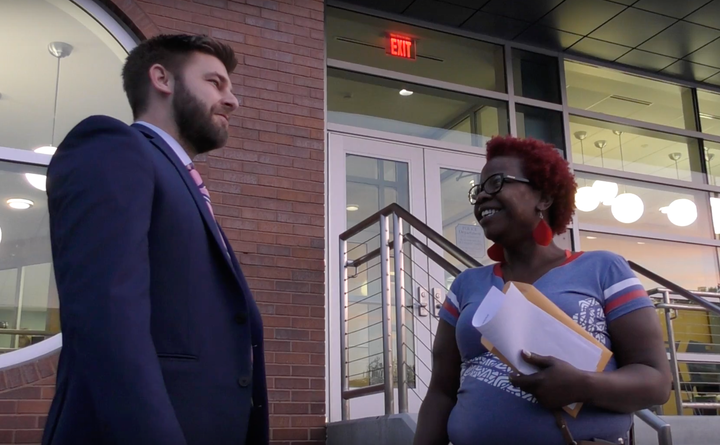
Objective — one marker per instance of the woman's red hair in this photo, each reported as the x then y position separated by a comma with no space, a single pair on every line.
547,171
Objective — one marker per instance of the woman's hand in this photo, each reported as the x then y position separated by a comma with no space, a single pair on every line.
557,384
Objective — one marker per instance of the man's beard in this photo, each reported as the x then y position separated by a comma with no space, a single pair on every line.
195,122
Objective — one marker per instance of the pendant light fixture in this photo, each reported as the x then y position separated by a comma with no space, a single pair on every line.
59,50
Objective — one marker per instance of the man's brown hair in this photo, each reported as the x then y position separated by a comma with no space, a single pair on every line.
171,51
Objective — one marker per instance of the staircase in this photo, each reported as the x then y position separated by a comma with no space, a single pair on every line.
393,282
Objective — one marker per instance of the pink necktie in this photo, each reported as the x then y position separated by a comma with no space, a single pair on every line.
206,195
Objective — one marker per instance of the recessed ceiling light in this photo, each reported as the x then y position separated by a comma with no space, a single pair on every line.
405,92
640,242
37,181
46,150
352,207
19,203
0,234
592,237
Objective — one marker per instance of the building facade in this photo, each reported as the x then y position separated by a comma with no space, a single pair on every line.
347,108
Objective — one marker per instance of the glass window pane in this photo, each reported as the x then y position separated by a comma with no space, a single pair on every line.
691,266
362,39
372,184
540,124
712,159
609,202
709,104
28,296
618,147
536,76
376,103
624,95
41,104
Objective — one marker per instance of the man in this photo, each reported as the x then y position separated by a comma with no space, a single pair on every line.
162,341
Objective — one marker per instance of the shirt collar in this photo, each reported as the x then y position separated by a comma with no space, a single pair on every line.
175,145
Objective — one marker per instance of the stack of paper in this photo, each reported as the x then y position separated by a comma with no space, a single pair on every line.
524,319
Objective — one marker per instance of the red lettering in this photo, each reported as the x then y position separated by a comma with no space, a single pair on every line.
408,47
394,44
400,47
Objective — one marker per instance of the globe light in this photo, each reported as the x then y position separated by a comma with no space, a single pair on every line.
587,199
682,212
607,191
627,208
37,181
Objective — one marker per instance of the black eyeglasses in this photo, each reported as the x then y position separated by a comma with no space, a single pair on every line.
492,185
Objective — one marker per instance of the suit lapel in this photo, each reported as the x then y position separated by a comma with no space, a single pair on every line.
210,222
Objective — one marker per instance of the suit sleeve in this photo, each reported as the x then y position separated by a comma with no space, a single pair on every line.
100,192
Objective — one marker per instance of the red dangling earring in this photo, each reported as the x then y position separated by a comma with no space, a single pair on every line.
543,233
496,253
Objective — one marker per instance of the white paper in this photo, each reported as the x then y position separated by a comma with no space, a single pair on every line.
513,324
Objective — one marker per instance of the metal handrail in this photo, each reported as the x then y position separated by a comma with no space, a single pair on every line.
659,425
396,209
675,288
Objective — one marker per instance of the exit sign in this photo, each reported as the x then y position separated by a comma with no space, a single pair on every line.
402,47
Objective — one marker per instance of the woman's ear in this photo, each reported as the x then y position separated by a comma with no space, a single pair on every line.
544,203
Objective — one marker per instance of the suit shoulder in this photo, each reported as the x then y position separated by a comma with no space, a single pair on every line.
91,130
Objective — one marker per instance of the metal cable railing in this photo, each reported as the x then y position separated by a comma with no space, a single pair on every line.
407,320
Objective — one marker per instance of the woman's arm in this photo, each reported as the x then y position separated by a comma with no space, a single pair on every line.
442,393
643,377
641,380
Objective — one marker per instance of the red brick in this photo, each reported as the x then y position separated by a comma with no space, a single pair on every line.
273,345
24,393
290,434
7,436
290,310
18,422
307,421
279,421
291,408
33,406
308,371
10,406
29,436
308,323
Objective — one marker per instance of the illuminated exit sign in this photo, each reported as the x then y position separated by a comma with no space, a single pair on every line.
403,47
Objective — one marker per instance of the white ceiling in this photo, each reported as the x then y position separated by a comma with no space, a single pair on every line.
90,80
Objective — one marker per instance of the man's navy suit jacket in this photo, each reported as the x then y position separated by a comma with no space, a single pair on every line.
162,340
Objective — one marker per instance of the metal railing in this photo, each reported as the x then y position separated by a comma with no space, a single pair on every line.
407,379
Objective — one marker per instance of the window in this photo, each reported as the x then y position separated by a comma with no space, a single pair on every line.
692,267
618,147
28,297
536,76
540,124
43,96
623,95
709,104
413,110
625,204
363,40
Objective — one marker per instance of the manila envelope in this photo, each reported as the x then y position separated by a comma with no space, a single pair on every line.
538,299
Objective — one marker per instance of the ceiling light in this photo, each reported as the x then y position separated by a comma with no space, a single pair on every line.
592,237
640,242
606,191
627,208
0,234
37,181
587,199
682,212
405,92
352,208
46,150
19,203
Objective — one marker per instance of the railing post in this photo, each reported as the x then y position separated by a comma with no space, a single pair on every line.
400,314
673,353
386,313
343,330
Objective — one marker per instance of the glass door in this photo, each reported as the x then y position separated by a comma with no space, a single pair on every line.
366,175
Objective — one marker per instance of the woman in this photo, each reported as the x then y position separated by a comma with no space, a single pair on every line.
527,195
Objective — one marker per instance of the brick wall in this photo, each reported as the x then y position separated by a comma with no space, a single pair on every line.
267,188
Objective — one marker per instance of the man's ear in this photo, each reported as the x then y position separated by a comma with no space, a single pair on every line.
161,80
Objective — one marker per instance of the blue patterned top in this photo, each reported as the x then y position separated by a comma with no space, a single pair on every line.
593,288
